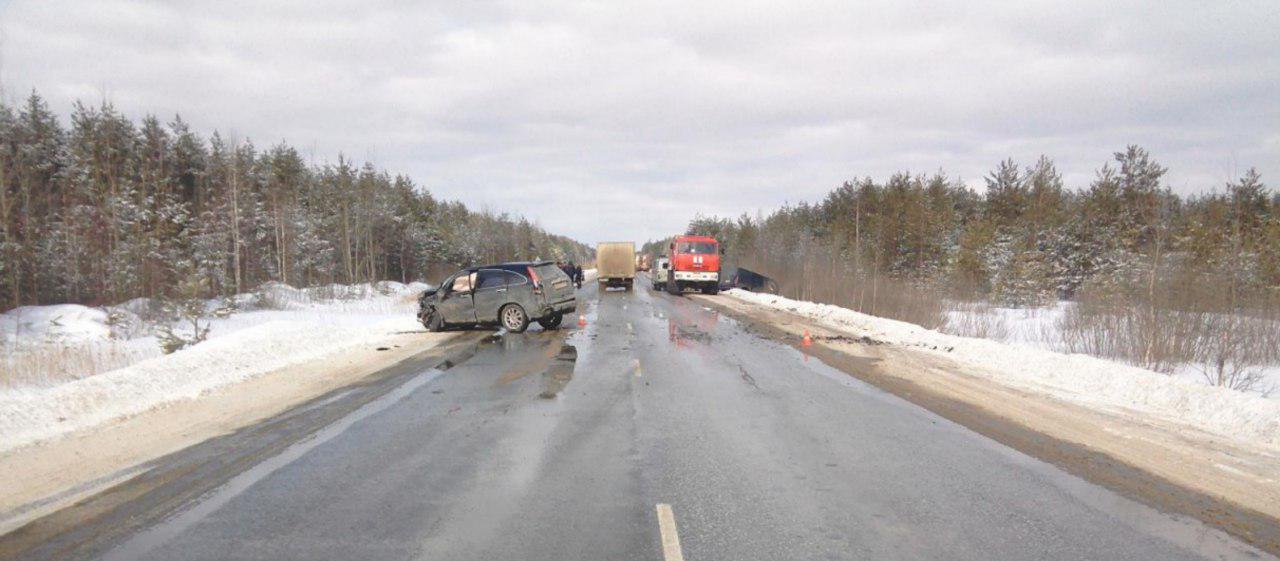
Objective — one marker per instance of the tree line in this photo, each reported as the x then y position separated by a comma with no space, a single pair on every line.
1027,238
1155,279
106,209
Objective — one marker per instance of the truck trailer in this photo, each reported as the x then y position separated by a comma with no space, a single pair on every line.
616,264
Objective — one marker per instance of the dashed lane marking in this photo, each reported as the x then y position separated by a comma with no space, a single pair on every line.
670,538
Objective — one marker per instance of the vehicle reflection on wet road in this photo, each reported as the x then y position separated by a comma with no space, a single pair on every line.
660,428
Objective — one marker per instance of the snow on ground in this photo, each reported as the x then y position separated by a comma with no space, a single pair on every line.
68,366
63,322
1028,327
31,414
1040,328
1080,379
49,345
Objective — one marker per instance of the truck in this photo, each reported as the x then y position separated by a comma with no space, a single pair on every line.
642,261
695,263
661,271
616,264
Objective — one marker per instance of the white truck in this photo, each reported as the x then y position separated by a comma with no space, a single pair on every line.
660,272
616,264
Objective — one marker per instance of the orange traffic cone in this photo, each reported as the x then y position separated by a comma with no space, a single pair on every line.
807,340
582,320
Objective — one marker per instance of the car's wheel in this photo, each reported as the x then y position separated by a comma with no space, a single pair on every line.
673,287
628,286
513,318
712,290
552,321
434,322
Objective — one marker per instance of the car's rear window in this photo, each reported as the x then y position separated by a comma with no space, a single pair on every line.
550,272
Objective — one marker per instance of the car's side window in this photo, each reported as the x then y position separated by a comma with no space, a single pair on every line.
490,279
461,285
514,279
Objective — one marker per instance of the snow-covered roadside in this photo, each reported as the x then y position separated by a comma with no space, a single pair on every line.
43,346
1041,328
83,369
29,415
1079,379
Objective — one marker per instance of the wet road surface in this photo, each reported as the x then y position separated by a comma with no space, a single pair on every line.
563,445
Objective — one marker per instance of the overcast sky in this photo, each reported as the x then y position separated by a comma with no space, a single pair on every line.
612,120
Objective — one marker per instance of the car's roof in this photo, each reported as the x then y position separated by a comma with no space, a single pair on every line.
517,266
695,238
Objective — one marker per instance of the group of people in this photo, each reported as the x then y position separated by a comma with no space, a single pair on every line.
573,270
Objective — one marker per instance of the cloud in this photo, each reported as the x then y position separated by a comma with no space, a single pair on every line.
621,120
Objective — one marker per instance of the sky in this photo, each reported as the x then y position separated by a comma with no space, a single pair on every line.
619,120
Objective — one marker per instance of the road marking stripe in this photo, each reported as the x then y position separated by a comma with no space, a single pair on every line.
636,367
670,538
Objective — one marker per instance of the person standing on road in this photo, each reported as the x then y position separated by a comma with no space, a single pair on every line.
567,268
575,273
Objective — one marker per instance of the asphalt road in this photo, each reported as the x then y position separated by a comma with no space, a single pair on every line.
526,451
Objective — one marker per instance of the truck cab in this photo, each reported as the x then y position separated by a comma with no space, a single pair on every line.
695,263
661,273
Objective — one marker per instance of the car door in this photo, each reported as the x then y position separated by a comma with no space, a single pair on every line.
490,294
456,306
520,290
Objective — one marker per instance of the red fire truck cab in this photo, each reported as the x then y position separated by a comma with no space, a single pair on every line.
695,263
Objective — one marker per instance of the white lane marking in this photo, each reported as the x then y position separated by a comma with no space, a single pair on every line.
635,366
629,328
670,538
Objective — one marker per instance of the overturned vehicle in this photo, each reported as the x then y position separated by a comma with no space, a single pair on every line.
509,294
752,281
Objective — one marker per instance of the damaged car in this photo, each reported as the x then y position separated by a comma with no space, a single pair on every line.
510,295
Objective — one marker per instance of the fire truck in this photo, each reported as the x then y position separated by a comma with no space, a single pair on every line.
695,263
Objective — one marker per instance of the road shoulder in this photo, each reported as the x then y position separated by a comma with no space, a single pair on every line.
1172,468
42,478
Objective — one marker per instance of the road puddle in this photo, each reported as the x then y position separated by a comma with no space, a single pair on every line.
541,361
695,328
560,373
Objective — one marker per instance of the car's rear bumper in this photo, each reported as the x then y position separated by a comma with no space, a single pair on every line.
564,306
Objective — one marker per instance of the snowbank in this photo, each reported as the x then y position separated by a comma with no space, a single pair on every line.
1080,379
60,323
68,367
31,414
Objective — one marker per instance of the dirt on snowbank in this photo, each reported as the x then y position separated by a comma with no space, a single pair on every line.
1170,466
